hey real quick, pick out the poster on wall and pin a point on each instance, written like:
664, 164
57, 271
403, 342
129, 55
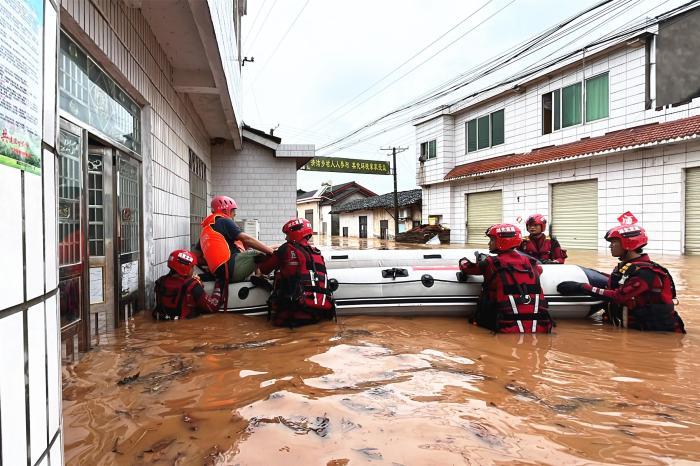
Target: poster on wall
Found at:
21, 68
130, 277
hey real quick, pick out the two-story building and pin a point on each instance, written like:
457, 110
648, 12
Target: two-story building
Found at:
614, 127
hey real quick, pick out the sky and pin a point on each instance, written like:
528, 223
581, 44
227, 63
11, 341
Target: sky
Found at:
324, 68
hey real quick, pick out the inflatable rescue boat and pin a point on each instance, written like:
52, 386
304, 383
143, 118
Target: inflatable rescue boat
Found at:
414, 282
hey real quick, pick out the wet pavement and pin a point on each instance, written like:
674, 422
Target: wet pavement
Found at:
231, 389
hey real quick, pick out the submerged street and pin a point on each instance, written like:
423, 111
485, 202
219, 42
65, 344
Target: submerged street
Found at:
231, 389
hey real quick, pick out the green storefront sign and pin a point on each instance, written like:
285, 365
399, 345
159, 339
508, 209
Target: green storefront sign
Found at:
336, 164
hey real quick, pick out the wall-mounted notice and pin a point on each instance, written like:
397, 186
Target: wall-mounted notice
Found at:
96, 285
130, 277
21, 67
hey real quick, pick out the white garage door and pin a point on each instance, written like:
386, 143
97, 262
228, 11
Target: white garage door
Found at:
575, 214
483, 210
692, 211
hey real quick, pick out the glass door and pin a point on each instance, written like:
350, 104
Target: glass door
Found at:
71, 234
128, 223
100, 239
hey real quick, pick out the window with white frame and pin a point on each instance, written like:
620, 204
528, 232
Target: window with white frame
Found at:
564, 107
485, 131
428, 150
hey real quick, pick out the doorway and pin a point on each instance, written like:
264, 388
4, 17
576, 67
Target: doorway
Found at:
335, 224
363, 226
384, 229
99, 221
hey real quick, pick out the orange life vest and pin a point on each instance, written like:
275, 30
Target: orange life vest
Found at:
214, 245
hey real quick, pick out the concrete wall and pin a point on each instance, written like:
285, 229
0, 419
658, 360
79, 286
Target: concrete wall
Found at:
263, 186
352, 222
312, 205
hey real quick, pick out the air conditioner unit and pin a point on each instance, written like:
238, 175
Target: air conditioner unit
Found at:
250, 226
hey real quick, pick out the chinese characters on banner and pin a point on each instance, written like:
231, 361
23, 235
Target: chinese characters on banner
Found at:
21, 68
336, 164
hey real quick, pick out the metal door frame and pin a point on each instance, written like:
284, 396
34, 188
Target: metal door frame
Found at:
81, 327
108, 278
139, 297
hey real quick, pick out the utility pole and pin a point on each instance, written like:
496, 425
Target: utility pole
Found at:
394, 151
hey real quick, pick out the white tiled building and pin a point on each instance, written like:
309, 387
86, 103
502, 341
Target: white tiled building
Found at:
129, 124
615, 128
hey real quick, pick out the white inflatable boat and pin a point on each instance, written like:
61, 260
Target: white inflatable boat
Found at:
415, 282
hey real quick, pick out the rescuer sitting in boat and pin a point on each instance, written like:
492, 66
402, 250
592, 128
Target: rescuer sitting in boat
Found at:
179, 294
512, 300
300, 294
538, 245
641, 293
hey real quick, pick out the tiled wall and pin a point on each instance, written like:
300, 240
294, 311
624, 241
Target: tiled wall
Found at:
647, 182
120, 39
263, 186
30, 378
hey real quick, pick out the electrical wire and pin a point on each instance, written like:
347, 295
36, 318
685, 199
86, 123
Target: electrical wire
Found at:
613, 35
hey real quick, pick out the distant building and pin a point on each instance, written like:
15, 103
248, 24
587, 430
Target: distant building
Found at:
315, 206
373, 217
612, 128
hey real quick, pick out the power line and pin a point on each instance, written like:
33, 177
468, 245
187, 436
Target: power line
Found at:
518, 55
402, 64
255, 22
284, 36
424, 61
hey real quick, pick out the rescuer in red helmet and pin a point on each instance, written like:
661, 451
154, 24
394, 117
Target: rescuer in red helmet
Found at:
512, 300
179, 294
538, 245
641, 293
301, 293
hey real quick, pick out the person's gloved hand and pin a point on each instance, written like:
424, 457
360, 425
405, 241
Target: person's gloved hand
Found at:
464, 262
480, 256
570, 287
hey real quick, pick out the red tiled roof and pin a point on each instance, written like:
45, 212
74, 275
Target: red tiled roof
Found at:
617, 140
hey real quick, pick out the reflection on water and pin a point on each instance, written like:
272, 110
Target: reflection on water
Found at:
227, 389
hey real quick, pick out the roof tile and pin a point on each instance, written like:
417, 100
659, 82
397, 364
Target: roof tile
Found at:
625, 138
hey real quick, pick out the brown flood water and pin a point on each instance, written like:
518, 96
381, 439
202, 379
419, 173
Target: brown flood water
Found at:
228, 389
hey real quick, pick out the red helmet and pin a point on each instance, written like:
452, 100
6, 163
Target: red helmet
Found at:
223, 204
537, 219
297, 229
631, 236
507, 236
182, 261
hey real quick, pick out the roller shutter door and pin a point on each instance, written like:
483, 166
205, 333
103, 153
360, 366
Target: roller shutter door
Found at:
575, 214
692, 211
483, 210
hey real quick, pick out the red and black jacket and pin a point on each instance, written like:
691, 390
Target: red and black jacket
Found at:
179, 297
543, 248
300, 291
512, 300
646, 291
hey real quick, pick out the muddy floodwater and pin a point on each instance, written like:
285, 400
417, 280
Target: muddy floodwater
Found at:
230, 389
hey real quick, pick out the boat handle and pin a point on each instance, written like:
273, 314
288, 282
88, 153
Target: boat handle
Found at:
394, 272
